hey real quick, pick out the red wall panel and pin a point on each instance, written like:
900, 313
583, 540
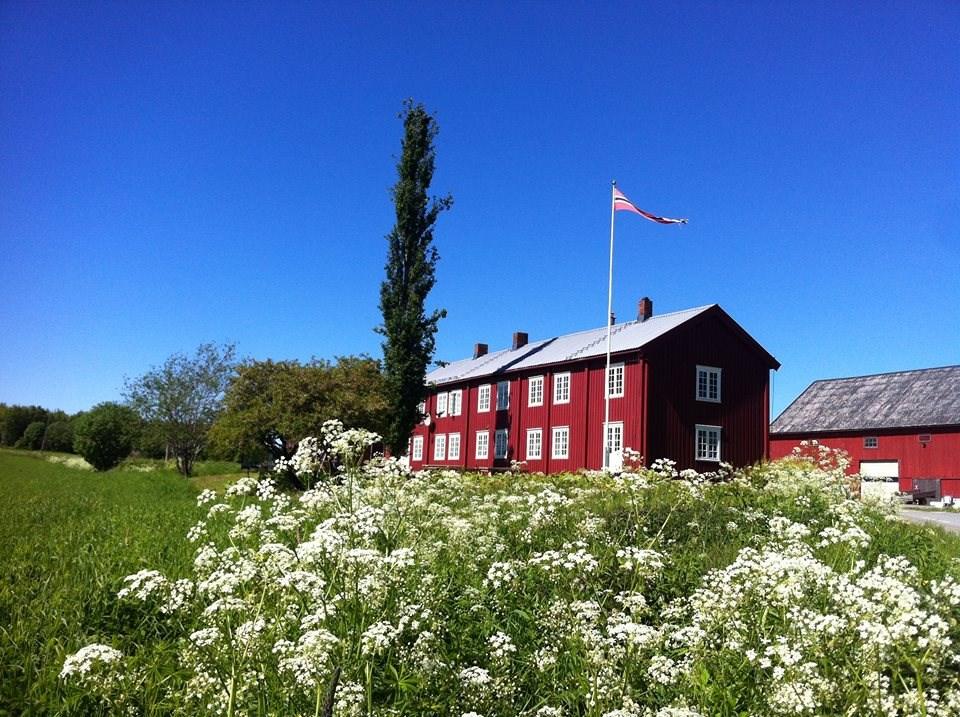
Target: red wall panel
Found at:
939, 458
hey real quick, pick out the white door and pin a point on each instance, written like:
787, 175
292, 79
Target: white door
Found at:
879, 469
615, 447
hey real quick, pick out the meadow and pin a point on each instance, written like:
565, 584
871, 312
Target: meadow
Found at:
67, 537
761, 592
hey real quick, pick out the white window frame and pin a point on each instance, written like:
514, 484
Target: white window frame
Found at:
501, 445
534, 444
561, 388
709, 371
482, 451
483, 398
706, 432
453, 446
503, 395
417, 450
555, 445
611, 427
422, 410
871, 442
440, 447
617, 375
455, 402
441, 405
535, 391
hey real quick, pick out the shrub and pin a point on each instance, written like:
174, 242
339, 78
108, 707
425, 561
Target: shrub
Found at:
104, 436
59, 437
32, 436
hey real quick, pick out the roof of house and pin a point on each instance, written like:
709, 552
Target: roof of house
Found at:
569, 347
905, 399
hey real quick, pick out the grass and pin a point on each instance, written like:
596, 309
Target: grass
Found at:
69, 536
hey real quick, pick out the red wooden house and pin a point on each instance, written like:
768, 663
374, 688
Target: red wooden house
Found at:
903, 425
691, 385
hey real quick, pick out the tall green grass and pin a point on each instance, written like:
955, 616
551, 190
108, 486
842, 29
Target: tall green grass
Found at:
67, 538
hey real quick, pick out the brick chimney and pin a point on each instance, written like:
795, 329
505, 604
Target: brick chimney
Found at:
520, 338
480, 350
644, 309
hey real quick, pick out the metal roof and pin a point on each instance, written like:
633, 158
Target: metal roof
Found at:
905, 399
569, 347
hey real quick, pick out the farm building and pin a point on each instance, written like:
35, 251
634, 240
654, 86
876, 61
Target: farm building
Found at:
690, 385
903, 425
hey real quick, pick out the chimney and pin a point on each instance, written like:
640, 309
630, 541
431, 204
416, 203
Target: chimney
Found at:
644, 309
480, 350
519, 339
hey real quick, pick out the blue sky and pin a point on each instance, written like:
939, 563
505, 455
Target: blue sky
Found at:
175, 172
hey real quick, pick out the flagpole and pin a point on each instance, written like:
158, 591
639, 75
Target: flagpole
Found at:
606, 373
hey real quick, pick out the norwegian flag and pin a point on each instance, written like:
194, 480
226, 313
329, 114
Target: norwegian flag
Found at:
622, 204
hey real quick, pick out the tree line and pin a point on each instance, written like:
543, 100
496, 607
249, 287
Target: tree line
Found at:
206, 405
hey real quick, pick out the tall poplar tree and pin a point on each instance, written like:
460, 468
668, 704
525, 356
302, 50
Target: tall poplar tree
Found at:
410, 274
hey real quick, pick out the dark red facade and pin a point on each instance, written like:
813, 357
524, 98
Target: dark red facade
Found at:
919, 452
659, 409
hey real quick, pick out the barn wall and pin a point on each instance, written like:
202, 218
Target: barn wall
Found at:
940, 458
675, 411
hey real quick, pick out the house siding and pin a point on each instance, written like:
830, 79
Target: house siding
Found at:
659, 410
940, 458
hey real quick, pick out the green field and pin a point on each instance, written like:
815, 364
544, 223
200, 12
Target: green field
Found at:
562, 596
67, 538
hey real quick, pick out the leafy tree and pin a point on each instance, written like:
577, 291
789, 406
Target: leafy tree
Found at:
410, 275
59, 437
183, 397
104, 435
15, 419
271, 405
32, 437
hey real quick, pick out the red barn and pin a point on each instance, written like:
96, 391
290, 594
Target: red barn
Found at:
903, 425
691, 385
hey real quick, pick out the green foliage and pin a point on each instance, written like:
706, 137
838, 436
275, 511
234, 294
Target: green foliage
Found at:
271, 405
408, 329
765, 593
32, 437
183, 397
15, 419
68, 538
105, 434
59, 437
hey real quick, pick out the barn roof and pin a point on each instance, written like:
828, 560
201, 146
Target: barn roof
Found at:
905, 399
569, 347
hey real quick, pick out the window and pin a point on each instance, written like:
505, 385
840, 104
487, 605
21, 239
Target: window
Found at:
453, 446
456, 398
503, 395
708, 443
870, 442
561, 442
615, 437
534, 444
500, 447
483, 399
422, 410
418, 448
441, 404
708, 384
483, 444
615, 381
535, 391
561, 388
925, 438
440, 447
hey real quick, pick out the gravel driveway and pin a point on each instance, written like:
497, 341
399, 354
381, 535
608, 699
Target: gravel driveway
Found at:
947, 521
